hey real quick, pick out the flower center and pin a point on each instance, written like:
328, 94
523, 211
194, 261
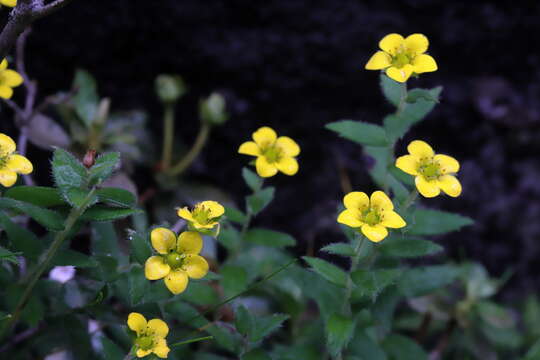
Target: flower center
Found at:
175, 260
272, 154
430, 170
144, 342
3, 159
201, 214
371, 217
401, 59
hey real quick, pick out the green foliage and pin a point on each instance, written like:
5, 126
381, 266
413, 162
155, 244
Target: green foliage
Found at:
360, 132
408, 247
68, 172
423, 280
339, 249
436, 222
399, 347
86, 98
372, 282
269, 238
256, 328
36, 195
328, 271
339, 331
260, 199
252, 180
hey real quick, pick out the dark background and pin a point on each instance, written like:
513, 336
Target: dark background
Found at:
297, 65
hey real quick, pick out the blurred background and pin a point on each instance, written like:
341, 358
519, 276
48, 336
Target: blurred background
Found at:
297, 65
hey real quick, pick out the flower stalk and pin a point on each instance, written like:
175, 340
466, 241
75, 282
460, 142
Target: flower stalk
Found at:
200, 141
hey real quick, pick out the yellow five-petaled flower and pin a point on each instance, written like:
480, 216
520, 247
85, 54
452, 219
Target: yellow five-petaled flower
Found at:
178, 259
8, 80
273, 153
10, 3
204, 216
434, 172
150, 335
370, 215
402, 57
11, 164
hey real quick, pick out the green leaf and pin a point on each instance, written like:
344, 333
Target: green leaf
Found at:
381, 174
234, 280
103, 213
367, 349
260, 199
263, 326
37, 195
45, 217
360, 132
68, 172
507, 338
391, 89
105, 240
21, 239
229, 237
77, 197
415, 94
74, 258
6, 255
402, 348
343, 249
235, 215
256, 354
117, 196
252, 180
269, 238
200, 293
372, 282
339, 330
111, 351
436, 222
384, 308
243, 321
424, 280
328, 271
534, 352
495, 314
408, 247
140, 246
86, 99
138, 285
103, 168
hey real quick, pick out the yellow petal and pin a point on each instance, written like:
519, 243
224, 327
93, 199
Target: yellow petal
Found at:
408, 164
423, 63
264, 168
287, 165
288, 146
448, 165
450, 185
7, 145
420, 149
381, 201
374, 233
155, 268
392, 219
190, 242
249, 148
8, 177
10, 3
11, 78
195, 266
4, 63
210, 225
356, 200
136, 322
163, 240
400, 74
350, 217
176, 281
264, 136
184, 213
6, 92
216, 209
19, 164
158, 328
161, 349
416, 44
428, 189
142, 353
391, 43
379, 60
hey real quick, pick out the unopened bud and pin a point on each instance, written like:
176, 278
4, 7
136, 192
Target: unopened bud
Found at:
212, 109
89, 158
170, 88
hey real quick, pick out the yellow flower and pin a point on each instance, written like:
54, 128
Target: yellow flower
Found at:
10, 3
150, 335
370, 215
178, 259
402, 57
8, 78
11, 164
205, 215
434, 172
273, 153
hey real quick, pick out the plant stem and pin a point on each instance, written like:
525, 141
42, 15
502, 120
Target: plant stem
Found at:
354, 264
72, 218
402, 99
410, 200
192, 341
168, 136
200, 141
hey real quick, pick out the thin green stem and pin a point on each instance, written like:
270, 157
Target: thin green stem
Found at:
72, 218
402, 99
168, 135
410, 200
200, 141
185, 342
354, 264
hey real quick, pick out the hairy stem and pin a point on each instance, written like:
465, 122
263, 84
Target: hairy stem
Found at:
202, 137
168, 136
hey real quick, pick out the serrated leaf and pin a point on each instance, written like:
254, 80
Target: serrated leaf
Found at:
360, 132
269, 238
138, 285
73, 258
328, 271
48, 218
140, 246
408, 247
260, 199
235, 215
103, 213
86, 99
117, 196
436, 222
252, 180
402, 348
103, 168
372, 282
343, 249
339, 330
21, 239
391, 89
6, 255
68, 172
424, 280
263, 326
36, 195
77, 197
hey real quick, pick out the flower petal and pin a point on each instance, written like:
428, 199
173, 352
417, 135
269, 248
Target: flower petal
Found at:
8, 177
10, 3
450, 185
7, 145
3, 64
264, 168
184, 213
420, 149
408, 164
391, 43
374, 233
11, 78
417, 43
400, 74
216, 209
142, 353
19, 164
6, 92
448, 165
287, 165
158, 327
356, 200
249, 148
163, 240
176, 281
195, 266
379, 60
428, 189
350, 217
392, 219
190, 242
264, 136
424, 63
155, 268
161, 349
288, 146
136, 322
381, 201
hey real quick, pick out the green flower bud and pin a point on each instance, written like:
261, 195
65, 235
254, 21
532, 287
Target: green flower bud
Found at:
212, 109
170, 88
